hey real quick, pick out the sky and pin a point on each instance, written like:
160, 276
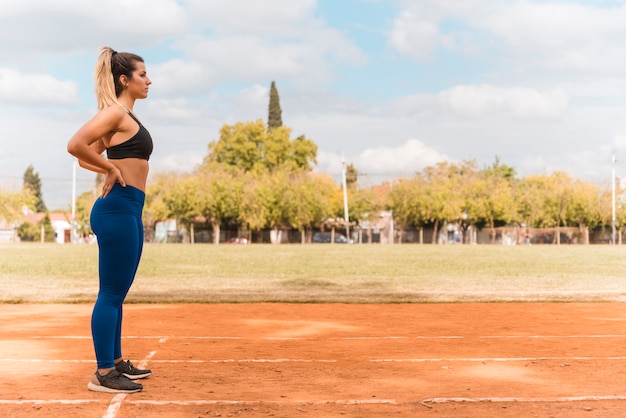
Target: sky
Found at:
390, 86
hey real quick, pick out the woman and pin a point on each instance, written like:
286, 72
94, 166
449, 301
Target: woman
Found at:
116, 216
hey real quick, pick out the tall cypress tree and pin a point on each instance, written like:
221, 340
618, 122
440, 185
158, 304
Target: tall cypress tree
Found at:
274, 119
32, 180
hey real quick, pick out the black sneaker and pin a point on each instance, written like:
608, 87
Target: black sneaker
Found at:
130, 371
113, 382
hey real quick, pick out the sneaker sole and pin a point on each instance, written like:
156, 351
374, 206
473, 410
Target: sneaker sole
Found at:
104, 389
137, 376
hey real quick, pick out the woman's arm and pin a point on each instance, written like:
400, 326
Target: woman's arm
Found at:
99, 147
84, 146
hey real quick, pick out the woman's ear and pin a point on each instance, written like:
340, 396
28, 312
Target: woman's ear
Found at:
124, 80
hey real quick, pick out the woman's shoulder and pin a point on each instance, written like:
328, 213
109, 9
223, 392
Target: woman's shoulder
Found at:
110, 115
112, 111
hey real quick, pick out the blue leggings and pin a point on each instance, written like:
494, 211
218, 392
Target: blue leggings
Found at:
116, 221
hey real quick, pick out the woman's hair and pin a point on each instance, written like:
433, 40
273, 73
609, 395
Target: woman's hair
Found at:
111, 65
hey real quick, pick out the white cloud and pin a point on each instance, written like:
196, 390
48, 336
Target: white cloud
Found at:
410, 157
414, 36
307, 59
44, 27
552, 25
246, 56
255, 98
270, 17
172, 111
404, 160
257, 42
548, 35
177, 77
35, 89
519, 102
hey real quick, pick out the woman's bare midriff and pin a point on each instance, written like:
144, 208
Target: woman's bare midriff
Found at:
134, 171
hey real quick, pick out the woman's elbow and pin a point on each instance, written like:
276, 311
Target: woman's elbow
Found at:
73, 148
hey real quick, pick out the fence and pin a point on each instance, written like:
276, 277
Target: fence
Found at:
446, 236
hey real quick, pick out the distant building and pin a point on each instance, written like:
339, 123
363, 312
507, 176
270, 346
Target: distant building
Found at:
60, 222
7, 233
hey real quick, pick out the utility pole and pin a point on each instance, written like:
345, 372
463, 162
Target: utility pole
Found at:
345, 197
613, 200
73, 202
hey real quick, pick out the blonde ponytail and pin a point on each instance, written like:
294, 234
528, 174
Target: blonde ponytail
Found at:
105, 84
111, 65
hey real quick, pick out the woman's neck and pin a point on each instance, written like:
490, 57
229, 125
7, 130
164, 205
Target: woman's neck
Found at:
126, 103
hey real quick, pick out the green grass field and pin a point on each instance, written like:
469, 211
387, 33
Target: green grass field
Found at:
175, 273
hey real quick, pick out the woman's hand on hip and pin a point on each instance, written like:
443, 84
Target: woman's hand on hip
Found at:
113, 176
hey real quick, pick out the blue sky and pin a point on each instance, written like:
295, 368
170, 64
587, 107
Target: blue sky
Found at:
393, 86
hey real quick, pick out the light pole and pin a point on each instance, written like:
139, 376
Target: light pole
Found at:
345, 197
73, 201
613, 200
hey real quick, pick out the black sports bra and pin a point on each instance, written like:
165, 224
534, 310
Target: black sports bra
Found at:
139, 146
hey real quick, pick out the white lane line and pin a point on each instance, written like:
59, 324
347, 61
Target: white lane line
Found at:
554, 336
47, 401
426, 402
254, 360
370, 338
275, 402
114, 405
39, 360
137, 337
441, 337
496, 359
143, 363
117, 400
120, 397
513, 399
383, 360
162, 338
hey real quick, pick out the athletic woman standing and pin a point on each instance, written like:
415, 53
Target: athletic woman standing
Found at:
121, 79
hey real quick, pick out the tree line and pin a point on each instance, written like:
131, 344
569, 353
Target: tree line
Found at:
256, 177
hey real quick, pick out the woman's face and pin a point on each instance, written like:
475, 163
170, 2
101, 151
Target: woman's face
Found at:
137, 86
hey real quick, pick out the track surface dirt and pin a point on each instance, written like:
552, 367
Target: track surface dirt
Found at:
324, 360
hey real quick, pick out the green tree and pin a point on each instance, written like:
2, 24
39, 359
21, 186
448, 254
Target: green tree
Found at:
274, 119
552, 195
443, 200
529, 195
221, 193
490, 197
28, 232
352, 176
12, 205
46, 225
32, 180
251, 147
272, 192
183, 201
407, 202
84, 204
155, 209
309, 200
585, 208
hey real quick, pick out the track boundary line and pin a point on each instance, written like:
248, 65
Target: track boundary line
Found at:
383, 360
514, 399
356, 338
495, 359
118, 399
116, 402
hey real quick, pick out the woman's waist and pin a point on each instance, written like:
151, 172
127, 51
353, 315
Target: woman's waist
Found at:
127, 193
134, 172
